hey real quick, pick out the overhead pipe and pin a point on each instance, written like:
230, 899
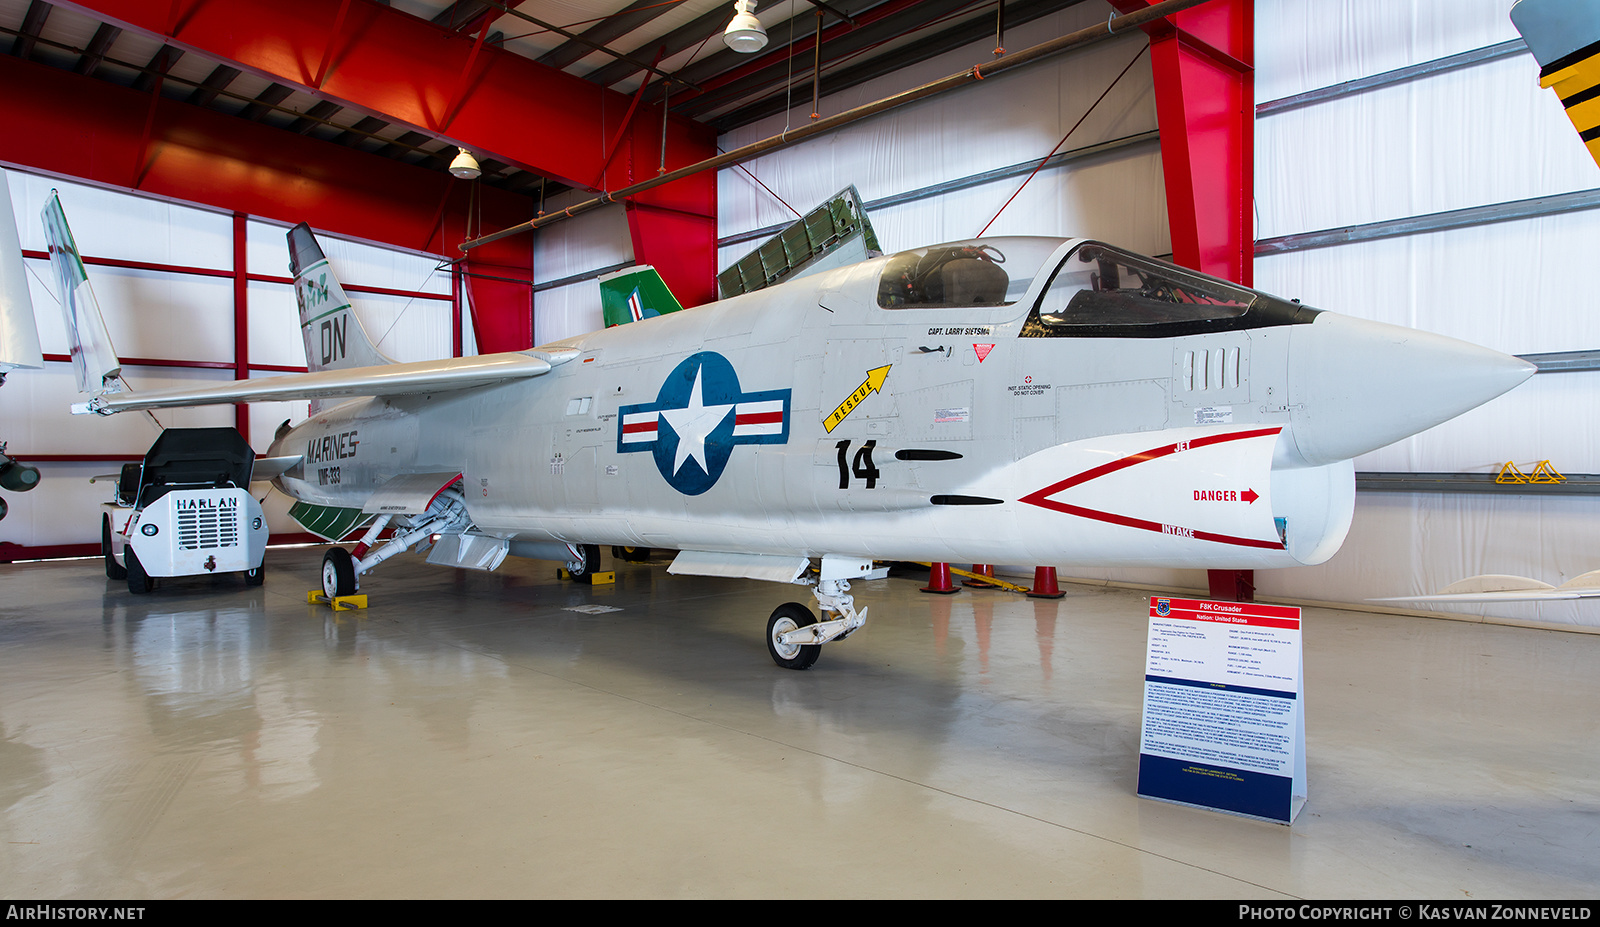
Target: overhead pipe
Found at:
1114, 25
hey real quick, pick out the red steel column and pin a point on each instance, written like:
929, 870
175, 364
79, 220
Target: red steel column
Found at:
1203, 62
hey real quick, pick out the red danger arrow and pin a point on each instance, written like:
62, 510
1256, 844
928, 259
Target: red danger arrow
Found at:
1249, 495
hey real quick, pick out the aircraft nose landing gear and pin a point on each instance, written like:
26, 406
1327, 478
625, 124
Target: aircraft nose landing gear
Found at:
791, 616
795, 637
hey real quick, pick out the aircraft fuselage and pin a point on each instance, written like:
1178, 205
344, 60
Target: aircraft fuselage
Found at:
809, 418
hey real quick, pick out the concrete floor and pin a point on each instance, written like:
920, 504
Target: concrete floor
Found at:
472, 735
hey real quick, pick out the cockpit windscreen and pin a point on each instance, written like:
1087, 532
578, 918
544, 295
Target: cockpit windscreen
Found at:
1101, 287
988, 272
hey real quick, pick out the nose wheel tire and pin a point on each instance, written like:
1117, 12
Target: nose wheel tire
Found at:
139, 582
583, 571
791, 616
114, 569
338, 573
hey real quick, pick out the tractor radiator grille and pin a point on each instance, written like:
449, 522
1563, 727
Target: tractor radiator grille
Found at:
204, 529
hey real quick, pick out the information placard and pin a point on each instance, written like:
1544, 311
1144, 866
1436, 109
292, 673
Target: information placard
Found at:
1224, 708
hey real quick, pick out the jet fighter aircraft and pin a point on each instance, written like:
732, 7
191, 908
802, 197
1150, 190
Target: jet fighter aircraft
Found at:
1000, 400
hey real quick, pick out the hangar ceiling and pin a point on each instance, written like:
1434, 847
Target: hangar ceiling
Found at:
673, 48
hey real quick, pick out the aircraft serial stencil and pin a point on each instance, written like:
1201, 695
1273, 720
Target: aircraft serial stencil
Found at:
1009, 400
697, 420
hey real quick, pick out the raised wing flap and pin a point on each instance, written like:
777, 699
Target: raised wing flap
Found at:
773, 568
389, 380
409, 493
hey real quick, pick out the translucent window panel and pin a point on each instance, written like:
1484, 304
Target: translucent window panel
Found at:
1472, 137
371, 265
154, 314
266, 248
353, 262
405, 328
589, 241
265, 417
274, 325
469, 334
987, 125
35, 411
1510, 286
566, 311
110, 224
64, 508
166, 315
1543, 419
1303, 46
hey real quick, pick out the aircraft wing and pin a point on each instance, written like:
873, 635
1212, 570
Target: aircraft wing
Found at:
433, 376
1500, 587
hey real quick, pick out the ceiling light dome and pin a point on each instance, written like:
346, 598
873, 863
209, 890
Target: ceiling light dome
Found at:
465, 166
744, 33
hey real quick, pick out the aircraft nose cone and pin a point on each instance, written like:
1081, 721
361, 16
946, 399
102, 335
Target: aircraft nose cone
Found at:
1356, 386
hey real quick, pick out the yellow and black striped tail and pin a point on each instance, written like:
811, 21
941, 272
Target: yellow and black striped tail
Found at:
1576, 81
1564, 37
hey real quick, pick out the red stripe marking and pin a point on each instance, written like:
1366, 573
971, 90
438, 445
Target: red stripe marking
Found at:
759, 418
1041, 497
638, 428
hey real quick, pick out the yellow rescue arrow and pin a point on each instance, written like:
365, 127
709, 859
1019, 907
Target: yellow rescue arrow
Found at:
872, 384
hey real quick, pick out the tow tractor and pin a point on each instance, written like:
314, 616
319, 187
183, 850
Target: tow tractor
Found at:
185, 510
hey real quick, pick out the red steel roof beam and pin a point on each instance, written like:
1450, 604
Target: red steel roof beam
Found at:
406, 70
200, 156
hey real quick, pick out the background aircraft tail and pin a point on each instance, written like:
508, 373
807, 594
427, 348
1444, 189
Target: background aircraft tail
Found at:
94, 360
333, 335
19, 335
635, 293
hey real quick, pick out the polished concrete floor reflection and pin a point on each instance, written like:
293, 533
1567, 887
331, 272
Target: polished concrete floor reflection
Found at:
512, 735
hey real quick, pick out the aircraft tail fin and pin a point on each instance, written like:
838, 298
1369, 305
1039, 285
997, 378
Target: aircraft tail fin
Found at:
635, 293
94, 359
19, 335
333, 335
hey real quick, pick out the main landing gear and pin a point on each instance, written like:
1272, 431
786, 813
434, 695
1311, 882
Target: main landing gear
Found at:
342, 569
795, 637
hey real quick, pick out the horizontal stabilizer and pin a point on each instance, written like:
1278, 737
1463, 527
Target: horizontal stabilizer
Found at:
411, 379
1500, 587
94, 360
268, 468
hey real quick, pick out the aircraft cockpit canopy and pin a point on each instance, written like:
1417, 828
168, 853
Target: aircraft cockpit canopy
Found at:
986, 272
1107, 292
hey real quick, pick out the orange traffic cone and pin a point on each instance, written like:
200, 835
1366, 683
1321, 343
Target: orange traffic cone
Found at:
1044, 584
982, 569
939, 580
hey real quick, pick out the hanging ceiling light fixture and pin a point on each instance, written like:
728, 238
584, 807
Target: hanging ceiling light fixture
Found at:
744, 33
465, 166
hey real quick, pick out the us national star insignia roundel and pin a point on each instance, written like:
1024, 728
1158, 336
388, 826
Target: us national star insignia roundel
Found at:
698, 418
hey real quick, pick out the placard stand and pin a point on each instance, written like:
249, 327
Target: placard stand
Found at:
1224, 708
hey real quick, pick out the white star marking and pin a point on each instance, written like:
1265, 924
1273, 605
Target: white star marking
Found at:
692, 425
